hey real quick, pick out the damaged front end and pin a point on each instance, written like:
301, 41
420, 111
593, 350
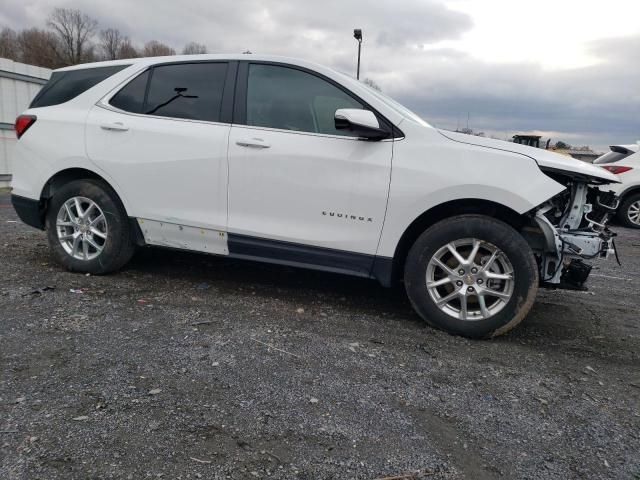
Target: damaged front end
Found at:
570, 228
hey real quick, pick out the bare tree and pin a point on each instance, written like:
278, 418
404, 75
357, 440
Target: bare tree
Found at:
74, 31
9, 46
127, 50
36, 48
193, 48
114, 45
155, 48
111, 43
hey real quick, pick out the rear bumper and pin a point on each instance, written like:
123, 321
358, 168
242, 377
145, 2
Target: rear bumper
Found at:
30, 211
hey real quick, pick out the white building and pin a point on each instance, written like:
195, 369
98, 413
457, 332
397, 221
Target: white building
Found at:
19, 83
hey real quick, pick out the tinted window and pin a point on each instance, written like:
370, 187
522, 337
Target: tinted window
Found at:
64, 86
290, 99
131, 97
192, 91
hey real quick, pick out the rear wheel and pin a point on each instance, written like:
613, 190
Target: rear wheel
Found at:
88, 229
629, 211
471, 275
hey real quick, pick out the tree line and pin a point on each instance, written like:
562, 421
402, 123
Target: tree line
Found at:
72, 37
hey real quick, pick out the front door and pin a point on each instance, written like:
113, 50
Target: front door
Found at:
295, 178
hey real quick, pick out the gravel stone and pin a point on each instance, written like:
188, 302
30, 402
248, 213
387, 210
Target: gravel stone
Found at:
238, 373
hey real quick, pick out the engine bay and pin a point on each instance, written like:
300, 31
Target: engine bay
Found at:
573, 225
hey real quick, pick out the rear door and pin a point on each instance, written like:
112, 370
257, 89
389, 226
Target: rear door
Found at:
163, 139
295, 178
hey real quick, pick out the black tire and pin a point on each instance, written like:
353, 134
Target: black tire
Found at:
118, 247
623, 211
487, 229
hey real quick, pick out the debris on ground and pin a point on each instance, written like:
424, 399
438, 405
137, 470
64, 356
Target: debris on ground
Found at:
200, 461
39, 291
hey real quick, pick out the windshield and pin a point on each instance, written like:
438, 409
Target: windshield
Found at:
390, 102
398, 107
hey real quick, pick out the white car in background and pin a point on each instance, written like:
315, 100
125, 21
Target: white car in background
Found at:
624, 161
285, 161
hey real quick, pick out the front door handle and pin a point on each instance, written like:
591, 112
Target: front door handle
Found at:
114, 127
252, 143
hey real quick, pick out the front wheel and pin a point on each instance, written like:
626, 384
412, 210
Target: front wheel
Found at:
471, 275
88, 228
629, 211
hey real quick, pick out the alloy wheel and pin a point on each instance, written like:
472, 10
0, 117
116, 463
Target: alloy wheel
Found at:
470, 279
633, 213
82, 228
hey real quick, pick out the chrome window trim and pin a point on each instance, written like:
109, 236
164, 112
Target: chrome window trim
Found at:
108, 106
311, 134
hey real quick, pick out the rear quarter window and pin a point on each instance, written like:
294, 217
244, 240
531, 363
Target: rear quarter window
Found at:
67, 85
131, 97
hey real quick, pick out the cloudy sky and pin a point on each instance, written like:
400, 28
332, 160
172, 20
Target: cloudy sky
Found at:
569, 69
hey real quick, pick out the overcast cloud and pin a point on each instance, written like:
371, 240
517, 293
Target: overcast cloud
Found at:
426, 54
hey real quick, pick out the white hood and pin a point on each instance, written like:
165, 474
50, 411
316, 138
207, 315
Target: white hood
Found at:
544, 158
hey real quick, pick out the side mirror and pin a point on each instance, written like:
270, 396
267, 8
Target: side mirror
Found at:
361, 122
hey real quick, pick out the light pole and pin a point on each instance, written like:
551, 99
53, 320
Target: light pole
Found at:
357, 34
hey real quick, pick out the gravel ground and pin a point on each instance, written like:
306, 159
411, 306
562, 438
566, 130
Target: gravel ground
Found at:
190, 366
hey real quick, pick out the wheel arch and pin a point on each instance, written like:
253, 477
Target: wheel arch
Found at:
67, 175
390, 271
629, 191
626, 200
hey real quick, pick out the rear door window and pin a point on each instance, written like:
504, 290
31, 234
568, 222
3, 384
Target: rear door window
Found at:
192, 91
67, 85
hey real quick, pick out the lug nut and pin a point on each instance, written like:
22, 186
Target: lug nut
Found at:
470, 289
461, 271
474, 270
459, 283
479, 281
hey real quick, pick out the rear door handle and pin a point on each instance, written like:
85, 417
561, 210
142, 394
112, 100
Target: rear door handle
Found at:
252, 143
114, 127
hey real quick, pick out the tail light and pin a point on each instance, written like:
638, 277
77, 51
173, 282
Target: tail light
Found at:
23, 122
617, 169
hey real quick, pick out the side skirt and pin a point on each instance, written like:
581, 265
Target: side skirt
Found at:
296, 255
169, 235
183, 237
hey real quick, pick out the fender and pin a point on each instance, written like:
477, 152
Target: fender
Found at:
501, 177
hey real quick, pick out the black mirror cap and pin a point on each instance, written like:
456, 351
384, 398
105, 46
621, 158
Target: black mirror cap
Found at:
366, 133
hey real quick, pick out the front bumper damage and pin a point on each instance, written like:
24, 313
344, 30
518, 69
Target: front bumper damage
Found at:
572, 229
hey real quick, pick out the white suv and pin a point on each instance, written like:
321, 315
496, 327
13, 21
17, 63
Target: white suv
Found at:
284, 161
624, 161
